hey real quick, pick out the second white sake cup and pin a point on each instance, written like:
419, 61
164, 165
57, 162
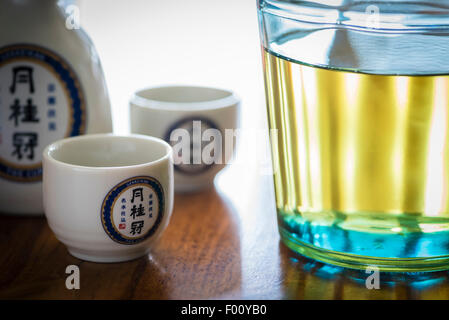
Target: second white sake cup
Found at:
194, 120
107, 197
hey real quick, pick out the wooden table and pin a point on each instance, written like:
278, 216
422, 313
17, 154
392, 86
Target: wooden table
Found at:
221, 243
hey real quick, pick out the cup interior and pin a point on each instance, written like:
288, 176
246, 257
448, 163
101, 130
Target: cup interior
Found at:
184, 98
108, 151
183, 94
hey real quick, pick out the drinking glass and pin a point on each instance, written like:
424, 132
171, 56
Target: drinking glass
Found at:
357, 92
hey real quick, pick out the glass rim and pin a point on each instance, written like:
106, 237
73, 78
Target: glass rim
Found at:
400, 16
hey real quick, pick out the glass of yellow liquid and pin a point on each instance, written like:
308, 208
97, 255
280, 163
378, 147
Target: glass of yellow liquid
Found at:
358, 94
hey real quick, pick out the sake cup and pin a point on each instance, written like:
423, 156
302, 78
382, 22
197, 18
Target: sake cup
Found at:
107, 197
198, 122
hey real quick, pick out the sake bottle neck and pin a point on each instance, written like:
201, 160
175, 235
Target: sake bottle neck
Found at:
35, 5
30, 11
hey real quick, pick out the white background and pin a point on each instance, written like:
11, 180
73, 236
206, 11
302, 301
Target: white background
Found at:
152, 42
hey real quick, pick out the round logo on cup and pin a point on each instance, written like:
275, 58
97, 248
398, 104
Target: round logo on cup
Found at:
194, 127
41, 101
132, 211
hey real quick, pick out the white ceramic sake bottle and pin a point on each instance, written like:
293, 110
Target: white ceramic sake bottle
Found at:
51, 87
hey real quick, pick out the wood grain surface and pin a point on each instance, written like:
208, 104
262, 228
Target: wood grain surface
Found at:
221, 243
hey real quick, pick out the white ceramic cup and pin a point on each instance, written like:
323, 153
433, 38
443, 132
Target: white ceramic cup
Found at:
107, 197
193, 118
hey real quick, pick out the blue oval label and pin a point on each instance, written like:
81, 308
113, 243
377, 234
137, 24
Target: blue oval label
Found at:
194, 127
133, 210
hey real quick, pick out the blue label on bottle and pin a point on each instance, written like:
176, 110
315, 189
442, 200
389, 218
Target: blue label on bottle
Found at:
41, 101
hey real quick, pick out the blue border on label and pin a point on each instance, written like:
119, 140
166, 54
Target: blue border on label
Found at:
72, 85
106, 211
178, 124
